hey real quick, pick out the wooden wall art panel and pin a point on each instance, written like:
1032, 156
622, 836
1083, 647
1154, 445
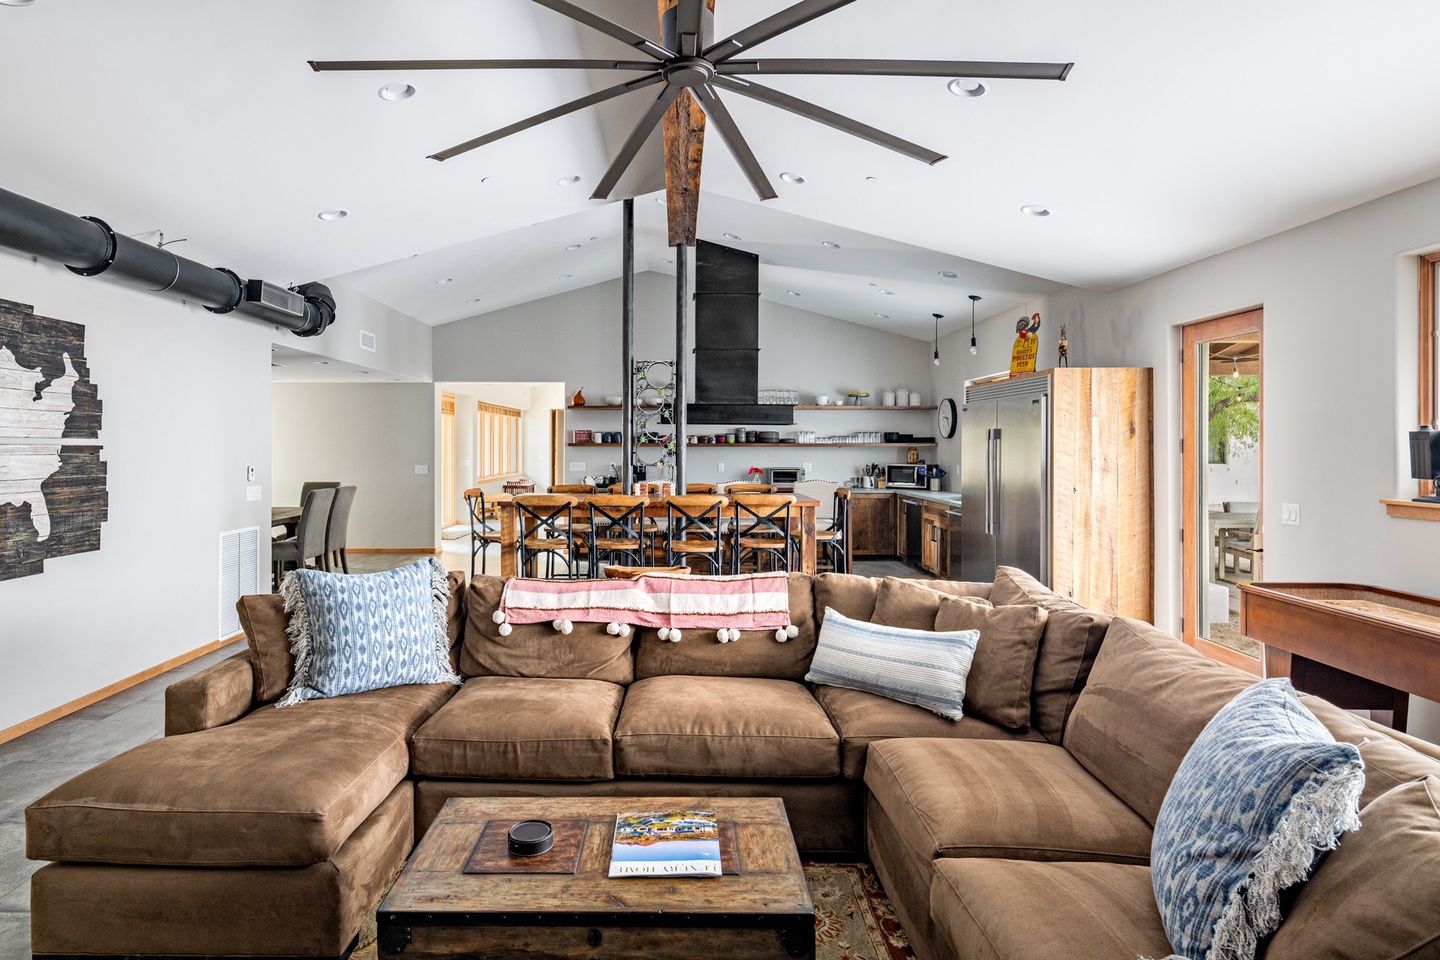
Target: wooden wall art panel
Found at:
52, 480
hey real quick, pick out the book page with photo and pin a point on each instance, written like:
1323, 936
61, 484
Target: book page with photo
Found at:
666, 843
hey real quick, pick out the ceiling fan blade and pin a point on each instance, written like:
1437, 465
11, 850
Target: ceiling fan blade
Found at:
321, 66
636, 140
688, 19
772, 26
716, 111
828, 117
609, 93
624, 34
999, 70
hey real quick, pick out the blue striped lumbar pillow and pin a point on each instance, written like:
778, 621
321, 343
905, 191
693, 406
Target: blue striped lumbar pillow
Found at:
1261, 794
921, 667
352, 633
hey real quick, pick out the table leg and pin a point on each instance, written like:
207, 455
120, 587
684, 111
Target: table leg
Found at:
509, 537
807, 540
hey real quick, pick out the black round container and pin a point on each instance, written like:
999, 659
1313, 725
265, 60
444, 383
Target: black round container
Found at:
530, 838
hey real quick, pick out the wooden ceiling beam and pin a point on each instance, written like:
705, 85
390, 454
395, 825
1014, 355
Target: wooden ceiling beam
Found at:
684, 130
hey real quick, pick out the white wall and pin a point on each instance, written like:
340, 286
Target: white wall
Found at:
186, 399
402, 343
372, 435
576, 337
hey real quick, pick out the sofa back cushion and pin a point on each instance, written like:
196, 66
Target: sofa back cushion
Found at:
913, 604
1003, 671
756, 654
856, 596
1067, 649
537, 649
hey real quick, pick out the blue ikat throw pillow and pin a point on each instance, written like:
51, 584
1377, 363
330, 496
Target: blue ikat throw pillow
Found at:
1263, 792
925, 668
355, 632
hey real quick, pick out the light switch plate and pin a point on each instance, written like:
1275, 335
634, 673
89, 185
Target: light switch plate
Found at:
577, 467
1290, 514
719, 468
254, 494
421, 469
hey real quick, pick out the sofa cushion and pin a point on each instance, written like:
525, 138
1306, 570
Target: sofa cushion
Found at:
1067, 650
1378, 896
1261, 794
856, 596
352, 633
1003, 672
756, 654
1001, 909
920, 667
723, 727
263, 618
862, 718
537, 649
277, 787
521, 728
1391, 758
1148, 698
905, 603
1016, 800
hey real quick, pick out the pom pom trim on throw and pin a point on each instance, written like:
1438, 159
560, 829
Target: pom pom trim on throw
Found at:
498, 616
792, 631
504, 630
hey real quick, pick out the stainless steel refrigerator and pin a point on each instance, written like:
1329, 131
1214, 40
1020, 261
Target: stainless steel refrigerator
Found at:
1005, 479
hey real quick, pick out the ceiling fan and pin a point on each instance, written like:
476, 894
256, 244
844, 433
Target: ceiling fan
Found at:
692, 67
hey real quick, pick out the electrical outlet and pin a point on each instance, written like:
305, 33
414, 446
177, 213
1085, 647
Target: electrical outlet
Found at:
250, 474
464, 463
421, 469
577, 467
720, 467
254, 494
1290, 514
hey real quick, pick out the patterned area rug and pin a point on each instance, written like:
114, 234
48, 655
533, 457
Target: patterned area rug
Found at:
853, 917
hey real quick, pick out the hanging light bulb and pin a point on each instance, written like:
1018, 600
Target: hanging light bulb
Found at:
937, 338
1236, 372
974, 299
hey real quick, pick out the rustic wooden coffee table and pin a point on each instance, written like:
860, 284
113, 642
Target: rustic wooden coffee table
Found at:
437, 910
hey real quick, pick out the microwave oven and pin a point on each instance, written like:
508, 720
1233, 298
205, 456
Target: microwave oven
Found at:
783, 475
905, 475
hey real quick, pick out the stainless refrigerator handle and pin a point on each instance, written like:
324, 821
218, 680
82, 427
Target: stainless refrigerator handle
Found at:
989, 476
999, 490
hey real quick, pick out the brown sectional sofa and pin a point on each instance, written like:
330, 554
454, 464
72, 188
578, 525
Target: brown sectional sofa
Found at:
255, 831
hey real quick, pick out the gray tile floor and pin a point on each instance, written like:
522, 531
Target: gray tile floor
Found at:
32, 765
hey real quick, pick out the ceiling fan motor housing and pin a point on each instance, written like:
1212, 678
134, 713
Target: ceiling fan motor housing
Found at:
670, 31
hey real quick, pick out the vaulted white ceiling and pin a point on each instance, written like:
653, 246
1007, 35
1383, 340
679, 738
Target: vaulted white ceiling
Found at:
1183, 130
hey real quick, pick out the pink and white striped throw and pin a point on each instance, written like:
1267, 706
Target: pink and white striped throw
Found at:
759, 601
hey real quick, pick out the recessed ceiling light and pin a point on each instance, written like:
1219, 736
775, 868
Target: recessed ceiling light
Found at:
792, 177
17, 3
593, 239
874, 284
830, 243
872, 179
1034, 210
573, 246
444, 280
333, 214
473, 300
659, 199
412, 256
321, 363
397, 91
966, 88
273, 364
566, 181
948, 274
666, 260
730, 236
883, 316
362, 371
484, 179
792, 293
566, 276
888, 293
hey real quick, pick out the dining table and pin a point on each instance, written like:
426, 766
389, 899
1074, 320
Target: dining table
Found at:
287, 517
508, 514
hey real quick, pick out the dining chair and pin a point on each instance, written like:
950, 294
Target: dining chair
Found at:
761, 526
731, 488
546, 527
309, 539
309, 485
831, 541
693, 529
337, 529
482, 534
822, 490
616, 529
700, 488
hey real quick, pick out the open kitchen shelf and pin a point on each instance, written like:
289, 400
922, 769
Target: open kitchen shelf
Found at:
876, 408
726, 446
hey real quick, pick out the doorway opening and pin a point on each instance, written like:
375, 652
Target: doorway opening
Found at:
1223, 480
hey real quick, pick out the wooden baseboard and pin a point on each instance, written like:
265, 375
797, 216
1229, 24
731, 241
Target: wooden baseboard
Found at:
434, 550
64, 710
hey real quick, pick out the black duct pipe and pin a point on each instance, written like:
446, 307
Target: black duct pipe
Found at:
88, 247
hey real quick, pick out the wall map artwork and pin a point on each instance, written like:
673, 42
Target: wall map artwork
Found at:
52, 481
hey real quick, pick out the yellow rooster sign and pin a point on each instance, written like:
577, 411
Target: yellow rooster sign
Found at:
1027, 345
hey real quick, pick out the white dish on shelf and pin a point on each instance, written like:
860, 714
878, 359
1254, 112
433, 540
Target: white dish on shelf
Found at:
614, 401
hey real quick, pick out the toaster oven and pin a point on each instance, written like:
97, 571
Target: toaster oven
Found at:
783, 476
905, 475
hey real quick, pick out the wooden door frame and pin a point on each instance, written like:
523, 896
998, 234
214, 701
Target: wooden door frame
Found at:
557, 446
1196, 527
448, 451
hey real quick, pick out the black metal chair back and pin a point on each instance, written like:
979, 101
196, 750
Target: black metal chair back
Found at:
762, 527
617, 529
482, 534
546, 522
694, 529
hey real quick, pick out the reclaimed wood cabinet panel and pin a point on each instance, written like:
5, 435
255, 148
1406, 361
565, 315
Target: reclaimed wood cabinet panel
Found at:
872, 525
935, 541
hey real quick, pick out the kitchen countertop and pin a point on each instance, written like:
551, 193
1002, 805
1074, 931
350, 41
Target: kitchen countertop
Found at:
947, 497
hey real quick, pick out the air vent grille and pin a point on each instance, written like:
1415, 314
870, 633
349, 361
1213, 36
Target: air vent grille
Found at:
239, 574
367, 341
276, 298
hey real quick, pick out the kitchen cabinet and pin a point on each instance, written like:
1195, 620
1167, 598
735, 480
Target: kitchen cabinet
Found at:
935, 540
872, 525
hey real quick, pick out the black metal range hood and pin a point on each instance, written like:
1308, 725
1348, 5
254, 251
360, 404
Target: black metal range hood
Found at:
727, 341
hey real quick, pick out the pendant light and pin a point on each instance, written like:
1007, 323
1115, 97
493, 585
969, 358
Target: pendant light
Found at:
937, 338
974, 299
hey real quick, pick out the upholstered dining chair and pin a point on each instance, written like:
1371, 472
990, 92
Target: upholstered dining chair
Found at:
482, 533
337, 529
309, 539
309, 485
831, 541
